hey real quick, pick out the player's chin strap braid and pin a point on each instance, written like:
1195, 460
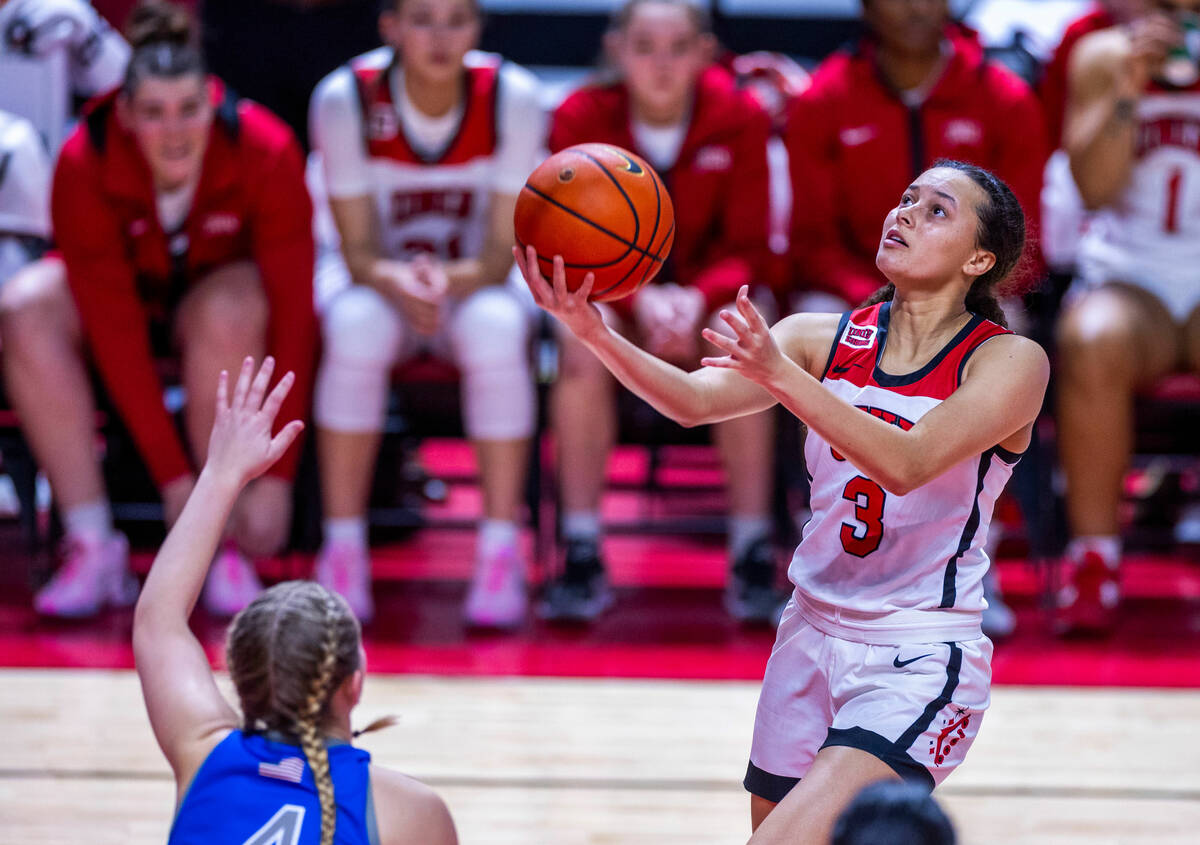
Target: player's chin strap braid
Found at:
308, 727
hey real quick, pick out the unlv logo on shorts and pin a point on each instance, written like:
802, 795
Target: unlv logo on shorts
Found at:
859, 337
954, 728
382, 123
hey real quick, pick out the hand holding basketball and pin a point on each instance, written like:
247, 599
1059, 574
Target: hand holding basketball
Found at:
752, 351
572, 308
241, 447
604, 210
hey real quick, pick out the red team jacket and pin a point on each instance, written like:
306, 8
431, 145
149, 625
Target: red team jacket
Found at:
854, 146
718, 184
251, 204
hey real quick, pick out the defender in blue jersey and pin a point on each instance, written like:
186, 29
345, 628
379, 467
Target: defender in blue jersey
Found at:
286, 773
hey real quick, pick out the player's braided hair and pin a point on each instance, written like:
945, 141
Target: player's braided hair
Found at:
288, 651
163, 38
1001, 231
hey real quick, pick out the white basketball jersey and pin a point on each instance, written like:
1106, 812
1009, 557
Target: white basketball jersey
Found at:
430, 201
876, 567
1151, 234
52, 51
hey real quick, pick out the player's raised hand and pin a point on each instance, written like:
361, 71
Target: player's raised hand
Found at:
572, 308
241, 447
752, 351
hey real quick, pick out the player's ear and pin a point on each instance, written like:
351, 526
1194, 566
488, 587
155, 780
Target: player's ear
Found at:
708, 47
352, 687
124, 110
979, 262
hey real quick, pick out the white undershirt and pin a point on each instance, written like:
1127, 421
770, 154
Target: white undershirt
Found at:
173, 206
661, 144
427, 135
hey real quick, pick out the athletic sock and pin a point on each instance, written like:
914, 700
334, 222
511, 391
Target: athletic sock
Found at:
745, 531
1107, 546
346, 531
90, 523
495, 534
581, 525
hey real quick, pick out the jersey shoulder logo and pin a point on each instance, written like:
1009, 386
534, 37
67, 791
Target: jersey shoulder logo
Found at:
290, 769
859, 337
382, 123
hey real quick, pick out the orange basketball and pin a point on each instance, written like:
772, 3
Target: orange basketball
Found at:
604, 210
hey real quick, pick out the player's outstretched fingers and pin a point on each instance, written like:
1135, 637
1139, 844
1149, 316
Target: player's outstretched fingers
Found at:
258, 389
585, 289
560, 279
722, 341
223, 391
281, 441
243, 383
740, 327
271, 407
750, 313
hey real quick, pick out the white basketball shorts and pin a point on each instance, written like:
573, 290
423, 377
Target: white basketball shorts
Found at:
915, 706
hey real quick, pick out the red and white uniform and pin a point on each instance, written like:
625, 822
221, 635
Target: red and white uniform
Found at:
854, 145
717, 180
24, 194
881, 568
1150, 236
880, 647
428, 200
432, 180
52, 52
125, 270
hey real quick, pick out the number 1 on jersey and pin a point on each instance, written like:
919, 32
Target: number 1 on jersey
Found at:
868, 498
1171, 221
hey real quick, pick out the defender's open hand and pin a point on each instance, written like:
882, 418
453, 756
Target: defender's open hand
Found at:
241, 446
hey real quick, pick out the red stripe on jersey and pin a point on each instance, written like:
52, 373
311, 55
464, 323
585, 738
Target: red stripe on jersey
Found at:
476, 136
859, 345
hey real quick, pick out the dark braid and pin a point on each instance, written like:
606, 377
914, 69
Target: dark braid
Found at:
1001, 231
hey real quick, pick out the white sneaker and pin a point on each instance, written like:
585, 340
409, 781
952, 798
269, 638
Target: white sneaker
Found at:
92, 576
232, 582
497, 598
345, 568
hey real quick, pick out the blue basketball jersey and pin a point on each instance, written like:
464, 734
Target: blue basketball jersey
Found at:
258, 790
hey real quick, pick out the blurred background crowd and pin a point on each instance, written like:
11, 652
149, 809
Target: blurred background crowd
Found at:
332, 182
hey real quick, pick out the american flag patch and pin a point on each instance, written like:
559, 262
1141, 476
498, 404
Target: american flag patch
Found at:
290, 769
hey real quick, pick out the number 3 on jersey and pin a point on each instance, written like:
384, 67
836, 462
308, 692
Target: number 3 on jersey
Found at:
868, 498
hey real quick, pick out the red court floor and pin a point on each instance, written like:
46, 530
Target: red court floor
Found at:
668, 622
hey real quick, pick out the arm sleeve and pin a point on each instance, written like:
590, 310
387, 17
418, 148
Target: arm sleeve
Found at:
744, 222
522, 130
98, 55
24, 182
335, 127
114, 322
283, 250
820, 258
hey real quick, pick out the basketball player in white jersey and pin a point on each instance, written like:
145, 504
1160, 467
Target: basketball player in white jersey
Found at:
53, 52
879, 669
24, 194
1132, 132
425, 145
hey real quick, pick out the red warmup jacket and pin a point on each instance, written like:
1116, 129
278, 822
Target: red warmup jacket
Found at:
1053, 90
251, 204
854, 146
718, 184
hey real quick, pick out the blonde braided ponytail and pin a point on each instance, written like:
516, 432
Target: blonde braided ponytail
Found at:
308, 726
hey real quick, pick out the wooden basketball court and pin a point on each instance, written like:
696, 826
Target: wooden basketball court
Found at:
564, 761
